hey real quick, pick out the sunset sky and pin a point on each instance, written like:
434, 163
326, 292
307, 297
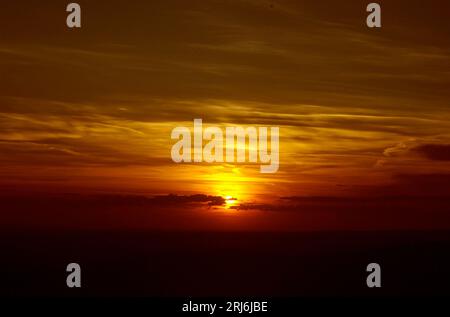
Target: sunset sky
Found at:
361, 111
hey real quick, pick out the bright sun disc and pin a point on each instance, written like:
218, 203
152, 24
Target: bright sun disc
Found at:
230, 201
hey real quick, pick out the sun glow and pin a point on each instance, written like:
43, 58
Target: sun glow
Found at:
230, 184
233, 184
230, 201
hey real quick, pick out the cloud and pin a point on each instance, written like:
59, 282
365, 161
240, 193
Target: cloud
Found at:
416, 149
397, 150
159, 200
181, 200
109, 96
259, 207
435, 152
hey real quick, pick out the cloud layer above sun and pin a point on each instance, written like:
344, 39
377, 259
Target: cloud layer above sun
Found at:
93, 108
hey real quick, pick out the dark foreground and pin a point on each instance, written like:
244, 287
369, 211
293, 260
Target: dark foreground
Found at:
225, 264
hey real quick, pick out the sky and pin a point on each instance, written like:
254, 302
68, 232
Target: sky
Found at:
361, 112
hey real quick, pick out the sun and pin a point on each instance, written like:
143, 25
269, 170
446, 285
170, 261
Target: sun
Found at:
230, 201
